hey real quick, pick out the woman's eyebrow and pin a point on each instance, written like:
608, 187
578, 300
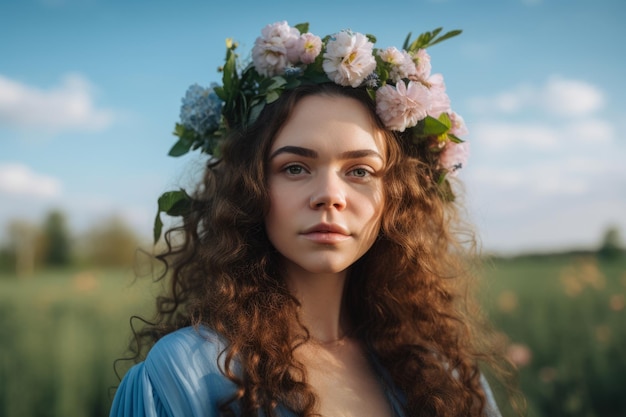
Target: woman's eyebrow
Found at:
296, 150
310, 153
361, 153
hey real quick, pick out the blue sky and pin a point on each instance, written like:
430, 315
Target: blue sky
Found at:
90, 91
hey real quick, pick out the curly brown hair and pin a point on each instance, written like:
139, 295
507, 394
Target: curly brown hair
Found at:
407, 296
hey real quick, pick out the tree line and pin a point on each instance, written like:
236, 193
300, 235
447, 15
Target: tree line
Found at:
110, 242
27, 247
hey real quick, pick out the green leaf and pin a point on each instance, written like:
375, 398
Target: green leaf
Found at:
292, 83
173, 203
268, 84
421, 41
230, 72
448, 35
219, 91
158, 227
428, 39
454, 138
384, 76
272, 96
255, 111
432, 127
180, 148
277, 82
302, 27
371, 38
445, 119
179, 130
405, 45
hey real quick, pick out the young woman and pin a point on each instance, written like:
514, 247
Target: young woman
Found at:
319, 269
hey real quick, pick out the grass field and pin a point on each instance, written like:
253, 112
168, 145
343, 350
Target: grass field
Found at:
60, 332
565, 320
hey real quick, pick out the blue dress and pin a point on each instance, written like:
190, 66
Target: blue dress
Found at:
181, 377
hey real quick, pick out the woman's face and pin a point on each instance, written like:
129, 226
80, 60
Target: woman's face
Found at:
325, 172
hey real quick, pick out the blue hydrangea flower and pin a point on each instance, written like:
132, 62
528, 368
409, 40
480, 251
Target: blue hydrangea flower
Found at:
372, 80
201, 110
293, 71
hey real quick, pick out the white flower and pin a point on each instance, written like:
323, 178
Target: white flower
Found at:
273, 49
402, 65
391, 55
402, 106
422, 62
440, 102
454, 156
309, 47
348, 59
458, 127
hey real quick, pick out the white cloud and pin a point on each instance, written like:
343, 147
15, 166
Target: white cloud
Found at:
551, 204
502, 135
556, 176
558, 97
506, 102
550, 224
68, 106
594, 131
20, 180
571, 97
535, 180
557, 120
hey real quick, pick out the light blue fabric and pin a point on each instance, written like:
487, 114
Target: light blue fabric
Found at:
181, 378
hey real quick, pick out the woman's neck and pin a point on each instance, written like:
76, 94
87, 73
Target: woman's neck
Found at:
321, 299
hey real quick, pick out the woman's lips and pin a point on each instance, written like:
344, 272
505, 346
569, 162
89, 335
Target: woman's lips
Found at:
325, 237
326, 233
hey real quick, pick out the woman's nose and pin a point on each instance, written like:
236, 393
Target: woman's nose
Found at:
329, 191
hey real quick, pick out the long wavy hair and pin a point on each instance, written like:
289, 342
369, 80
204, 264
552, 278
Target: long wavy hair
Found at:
407, 297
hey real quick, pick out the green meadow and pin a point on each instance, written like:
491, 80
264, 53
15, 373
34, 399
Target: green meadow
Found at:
564, 319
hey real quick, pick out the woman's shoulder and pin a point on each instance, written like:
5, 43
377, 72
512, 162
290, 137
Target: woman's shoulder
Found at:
191, 356
180, 376
188, 344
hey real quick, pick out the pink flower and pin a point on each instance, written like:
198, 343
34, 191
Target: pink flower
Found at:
422, 64
454, 156
402, 106
348, 59
273, 49
310, 47
402, 65
458, 127
391, 55
440, 102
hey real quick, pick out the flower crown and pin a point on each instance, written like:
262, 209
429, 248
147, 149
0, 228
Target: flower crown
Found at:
408, 97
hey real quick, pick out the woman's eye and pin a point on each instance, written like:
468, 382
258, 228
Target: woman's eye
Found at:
360, 172
294, 170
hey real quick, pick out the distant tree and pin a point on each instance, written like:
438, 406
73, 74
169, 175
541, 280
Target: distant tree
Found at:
110, 243
611, 247
57, 241
22, 247
7, 259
